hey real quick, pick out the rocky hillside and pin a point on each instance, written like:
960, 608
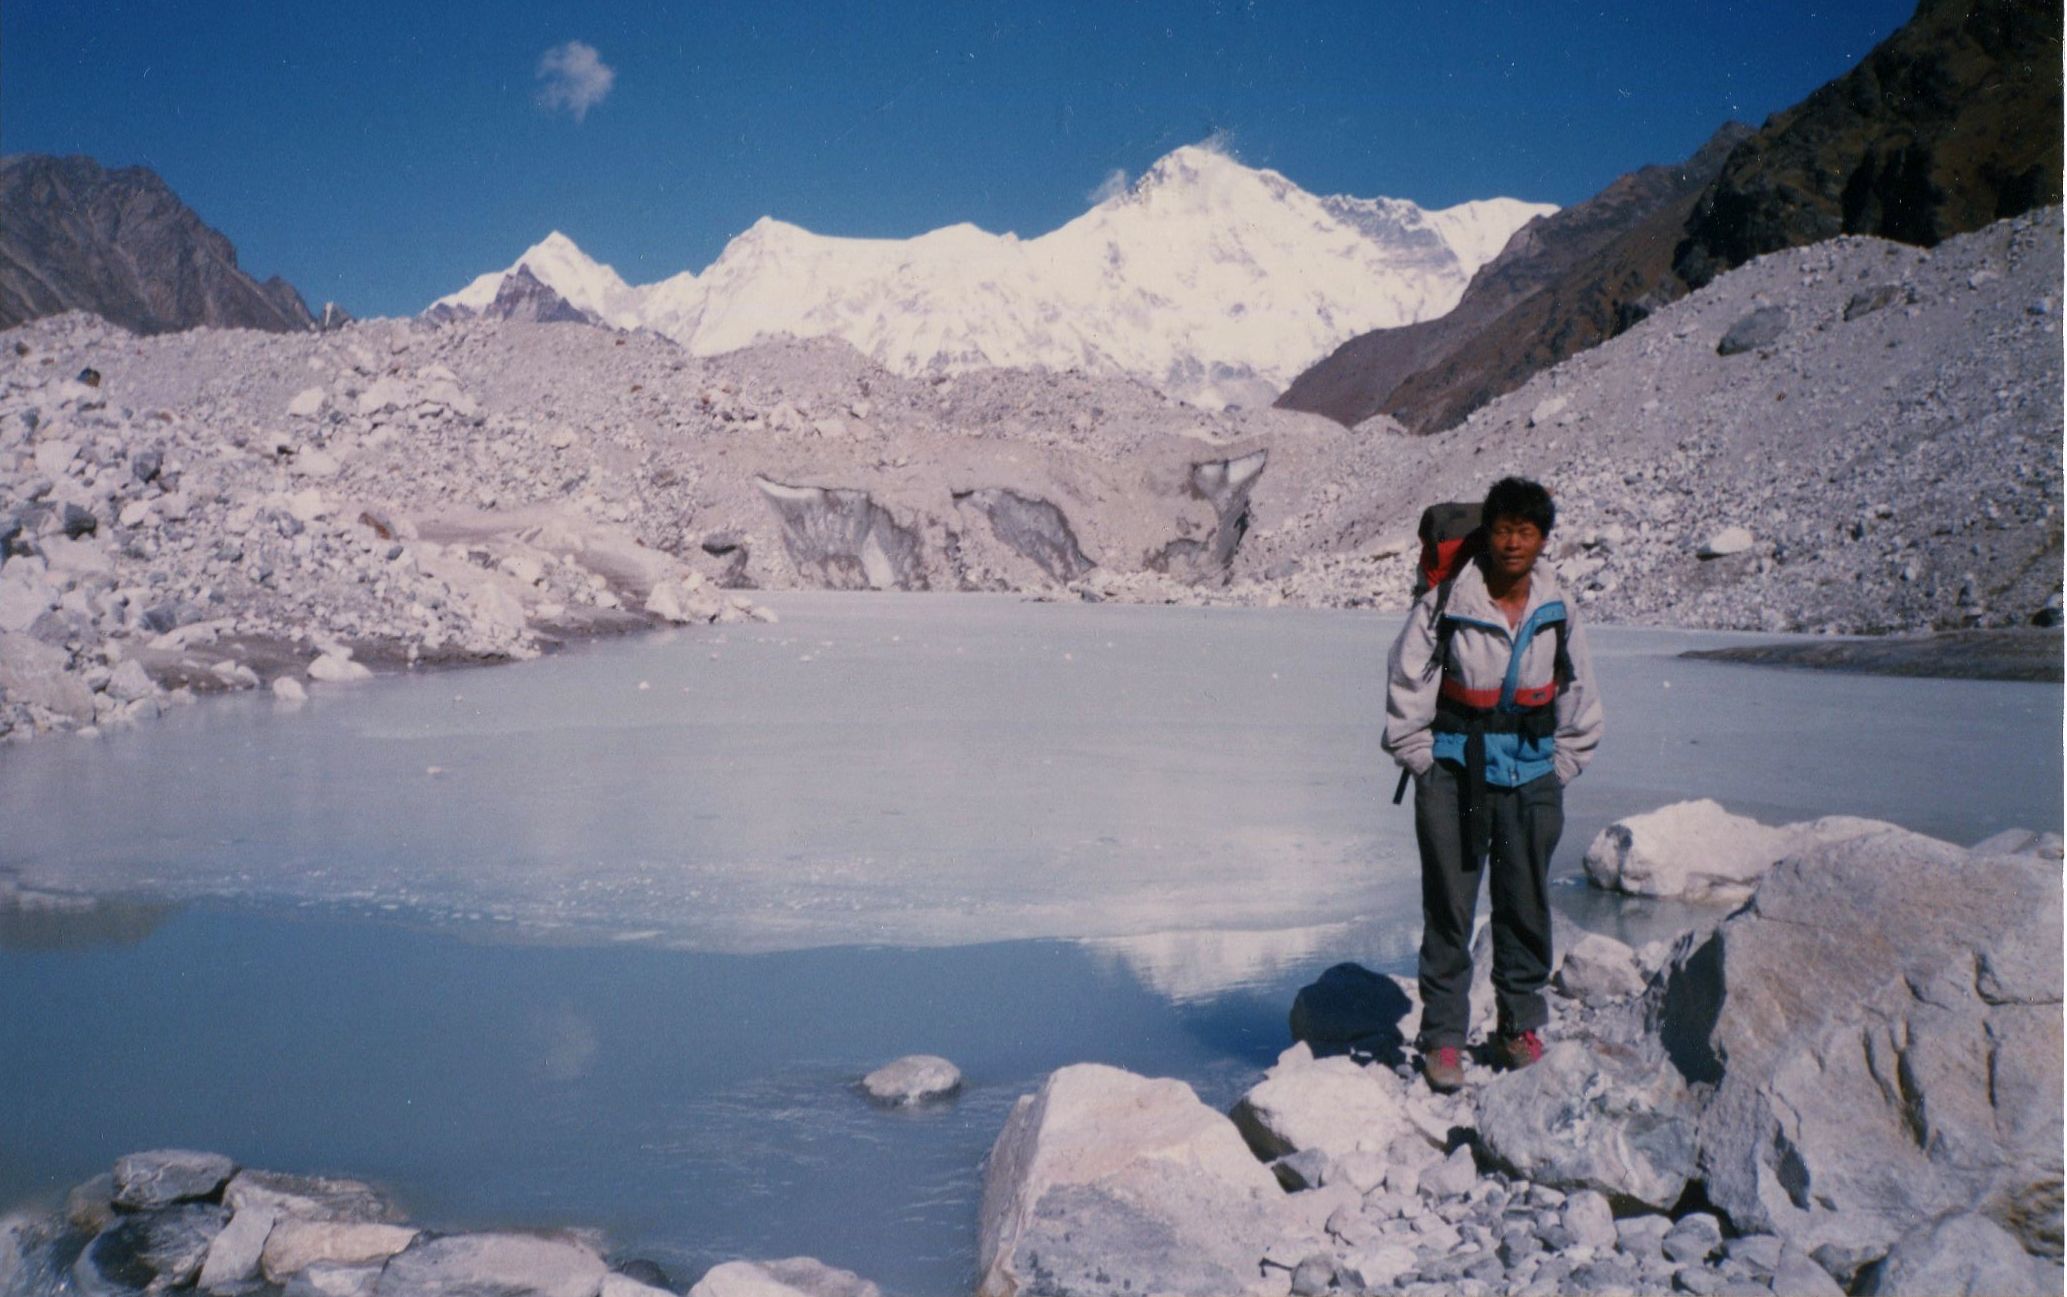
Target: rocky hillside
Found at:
75, 236
1949, 124
226, 507
1451, 360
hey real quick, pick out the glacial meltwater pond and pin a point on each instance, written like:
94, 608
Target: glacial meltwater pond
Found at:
605, 939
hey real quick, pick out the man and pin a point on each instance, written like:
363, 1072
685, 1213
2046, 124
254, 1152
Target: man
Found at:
1491, 703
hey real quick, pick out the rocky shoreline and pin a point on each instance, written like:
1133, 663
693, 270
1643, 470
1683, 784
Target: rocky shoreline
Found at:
1850, 1083
2019, 654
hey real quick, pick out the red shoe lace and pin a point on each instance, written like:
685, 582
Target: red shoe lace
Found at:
1447, 1056
1530, 1045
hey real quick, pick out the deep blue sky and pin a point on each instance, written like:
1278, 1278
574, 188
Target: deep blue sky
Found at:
381, 154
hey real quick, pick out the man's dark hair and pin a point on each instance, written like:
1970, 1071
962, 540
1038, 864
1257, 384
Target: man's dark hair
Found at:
1518, 497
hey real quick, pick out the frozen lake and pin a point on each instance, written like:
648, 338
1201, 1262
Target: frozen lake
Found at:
603, 939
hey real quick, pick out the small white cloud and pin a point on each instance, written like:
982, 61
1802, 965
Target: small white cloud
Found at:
1221, 141
575, 78
1114, 184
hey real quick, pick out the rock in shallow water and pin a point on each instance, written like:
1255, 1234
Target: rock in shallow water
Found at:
799, 1276
168, 1175
156, 1249
493, 1265
913, 1079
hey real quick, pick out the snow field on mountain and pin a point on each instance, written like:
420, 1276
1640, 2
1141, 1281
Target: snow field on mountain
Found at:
1215, 282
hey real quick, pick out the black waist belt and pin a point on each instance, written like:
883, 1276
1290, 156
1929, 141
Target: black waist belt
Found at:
1474, 723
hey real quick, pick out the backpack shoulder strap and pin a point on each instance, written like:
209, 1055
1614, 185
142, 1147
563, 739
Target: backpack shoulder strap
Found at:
1439, 661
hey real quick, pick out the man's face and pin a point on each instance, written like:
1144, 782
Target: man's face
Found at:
1512, 545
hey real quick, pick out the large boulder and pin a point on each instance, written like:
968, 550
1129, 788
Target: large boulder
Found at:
1593, 1116
493, 1265
1882, 1028
34, 672
1960, 1256
168, 1175
1337, 1106
798, 1276
1698, 851
1104, 1180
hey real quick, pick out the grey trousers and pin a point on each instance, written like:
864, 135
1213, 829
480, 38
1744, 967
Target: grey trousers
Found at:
1526, 824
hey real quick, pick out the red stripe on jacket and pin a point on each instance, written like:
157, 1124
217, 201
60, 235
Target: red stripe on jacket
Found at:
1483, 699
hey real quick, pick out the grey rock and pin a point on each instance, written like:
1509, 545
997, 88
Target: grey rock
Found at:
1598, 969
1759, 1251
1585, 1118
1865, 1087
1305, 1169
1451, 1177
130, 682
1797, 1273
1374, 1269
913, 1079
1313, 1276
294, 1243
1643, 1237
1761, 328
1590, 1220
1873, 299
79, 521
1960, 1256
311, 1197
159, 1249
800, 1276
1698, 1280
1517, 1245
165, 1176
90, 1206
1696, 1237
1103, 1179
38, 673
332, 1279
493, 1265
146, 464
1609, 1276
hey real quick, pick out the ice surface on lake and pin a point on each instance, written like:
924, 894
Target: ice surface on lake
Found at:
1198, 789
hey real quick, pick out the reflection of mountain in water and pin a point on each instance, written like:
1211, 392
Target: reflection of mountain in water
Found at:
31, 919
1188, 966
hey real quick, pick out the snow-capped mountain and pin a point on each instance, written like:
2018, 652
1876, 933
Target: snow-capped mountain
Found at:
1213, 281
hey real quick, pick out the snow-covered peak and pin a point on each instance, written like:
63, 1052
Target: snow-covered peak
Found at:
559, 263
1478, 230
1213, 280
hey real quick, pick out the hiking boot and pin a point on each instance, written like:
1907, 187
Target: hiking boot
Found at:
1519, 1050
1444, 1069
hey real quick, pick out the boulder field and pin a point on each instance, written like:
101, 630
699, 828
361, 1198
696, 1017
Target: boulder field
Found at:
1851, 1083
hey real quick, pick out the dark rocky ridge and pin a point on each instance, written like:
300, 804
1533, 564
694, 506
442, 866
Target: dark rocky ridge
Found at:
77, 236
1951, 123
1428, 375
